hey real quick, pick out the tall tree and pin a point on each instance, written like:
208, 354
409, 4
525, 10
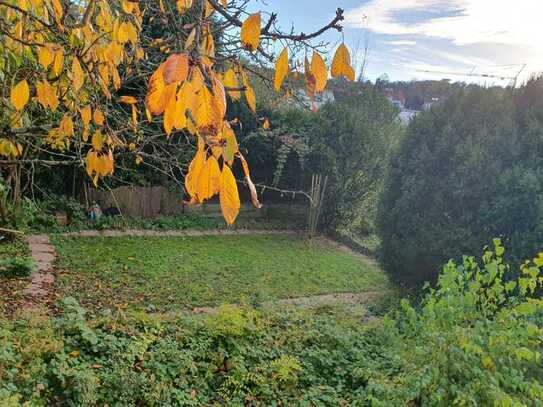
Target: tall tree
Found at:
64, 63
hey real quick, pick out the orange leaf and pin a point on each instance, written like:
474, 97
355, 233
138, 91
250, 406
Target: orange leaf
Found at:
209, 179
45, 55
251, 99
250, 32
170, 110
341, 64
66, 126
154, 99
281, 69
229, 196
195, 168
20, 94
78, 76
183, 5
98, 117
310, 80
58, 63
176, 68
318, 68
129, 100
86, 114
47, 95
97, 140
231, 147
230, 81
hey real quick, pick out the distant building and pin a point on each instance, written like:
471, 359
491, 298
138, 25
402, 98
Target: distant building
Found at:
406, 115
429, 103
319, 100
395, 97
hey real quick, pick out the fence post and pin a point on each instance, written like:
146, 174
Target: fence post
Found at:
318, 188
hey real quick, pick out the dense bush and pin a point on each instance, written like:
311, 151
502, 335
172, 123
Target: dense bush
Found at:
352, 146
348, 140
476, 340
466, 171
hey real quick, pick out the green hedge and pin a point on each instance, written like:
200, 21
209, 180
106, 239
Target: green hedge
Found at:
468, 170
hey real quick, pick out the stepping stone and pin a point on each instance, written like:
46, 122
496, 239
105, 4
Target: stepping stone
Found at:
38, 239
43, 254
42, 248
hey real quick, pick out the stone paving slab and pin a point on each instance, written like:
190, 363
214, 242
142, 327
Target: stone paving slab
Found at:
43, 255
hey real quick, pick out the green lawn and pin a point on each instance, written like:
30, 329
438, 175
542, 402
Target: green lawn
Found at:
183, 272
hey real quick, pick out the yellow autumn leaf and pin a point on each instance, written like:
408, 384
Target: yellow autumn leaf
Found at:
195, 168
58, 62
190, 39
171, 109
229, 80
231, 147
183, 5
281, 69
266, 124
310, 80
250, 32
45, 56
58, 10
251, 98
97, 140
209, 179
180, 118
98, 117
320, 72
176, 68
219, 96
20, 94
86, 114
134, 116
66, 126
129, 100
209, 109
128, 6
78, 76
126, 32
229, 196
154, 99
341, 64
47, 95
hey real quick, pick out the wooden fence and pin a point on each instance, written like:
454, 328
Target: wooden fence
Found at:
152, 202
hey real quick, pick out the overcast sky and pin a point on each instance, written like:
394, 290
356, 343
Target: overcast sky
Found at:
408, 37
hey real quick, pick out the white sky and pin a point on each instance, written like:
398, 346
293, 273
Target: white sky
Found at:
480, 33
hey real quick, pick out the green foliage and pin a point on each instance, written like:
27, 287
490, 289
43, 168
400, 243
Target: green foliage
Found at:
171, 273
348, 140
16, 267
233, 357
355, 138
475, 340
467, 170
